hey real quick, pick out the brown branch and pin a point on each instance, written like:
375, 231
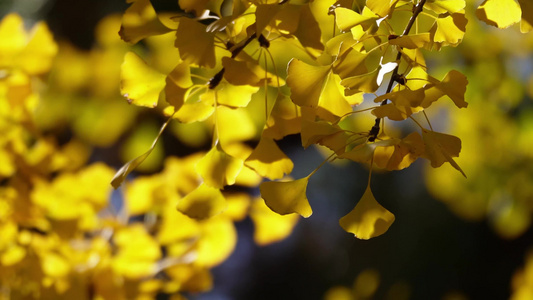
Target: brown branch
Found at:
373, 134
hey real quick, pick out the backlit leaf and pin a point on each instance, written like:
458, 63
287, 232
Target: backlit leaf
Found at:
440, 148
196, 45
140, 84
412, 41
269, 226
449, 29
268, 160
204, 202
140, 21
287, 197
177, 84
219, 169
306, 82
499, 13
217, 242
382, 8
347, 18
368, 219
445, 6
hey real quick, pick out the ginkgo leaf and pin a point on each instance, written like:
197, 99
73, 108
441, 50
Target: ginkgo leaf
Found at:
140, 21
217, 241
264, 13
140, 84
287, 197
449, 29
268, 160
269, 226
204, 202
366, 83
499, 13
406, 152
380, 7
368, 219
123, 172
219, 169
440, 148
248, 72
445, 6
394, 112
333, 103
346, 18
454, 86
230, 95
228, 119
196, 111
313, 132
308, 31
284, 119
364, 153
306, 82
177, 85
195, 44
350, 63
199, 6
412, 41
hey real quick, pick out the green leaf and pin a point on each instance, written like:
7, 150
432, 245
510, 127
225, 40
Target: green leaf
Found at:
287, 197
368, 219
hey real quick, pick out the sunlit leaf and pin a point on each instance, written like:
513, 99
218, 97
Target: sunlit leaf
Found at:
454, 86
313, 132
306, 82
228, 119
364, 153
412, 41
177, 84
367, 83
199, 6
445, 6
140, 21
204, 202
499, 13
196, 45
347, 18
406, 152
449, 29
380, 7
140, 84
219, 169
268, 160
287, 197
368, 219
270, 227
440, 148
217, 242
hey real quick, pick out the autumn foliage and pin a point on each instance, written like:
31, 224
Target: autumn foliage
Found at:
350, 77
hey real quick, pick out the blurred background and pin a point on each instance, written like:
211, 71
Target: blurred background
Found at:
453, 238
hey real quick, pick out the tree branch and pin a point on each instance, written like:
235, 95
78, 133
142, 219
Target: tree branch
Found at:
374, 131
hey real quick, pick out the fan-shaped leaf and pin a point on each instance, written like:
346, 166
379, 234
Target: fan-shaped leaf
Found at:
204, 202
287, 197
140, 84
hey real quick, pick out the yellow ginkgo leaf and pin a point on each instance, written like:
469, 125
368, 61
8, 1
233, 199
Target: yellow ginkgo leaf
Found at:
440, 148
364, 153
231, 95
268, 160
140, 21
287, 197
333, 103
270, 227
140, 84
366, 83
406, 152
284, 119
454, 86
202, 203
449, 29
313, 132
412, 41
195, 44
380, 7
445, 6
499, 13
346, 18
368, 219
217, 241
177, 84
218, 168
350, 63
199, 6
228, 119
306, 82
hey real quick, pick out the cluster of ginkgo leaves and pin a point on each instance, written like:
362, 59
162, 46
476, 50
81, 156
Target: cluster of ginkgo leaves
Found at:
63, 235
262, 70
